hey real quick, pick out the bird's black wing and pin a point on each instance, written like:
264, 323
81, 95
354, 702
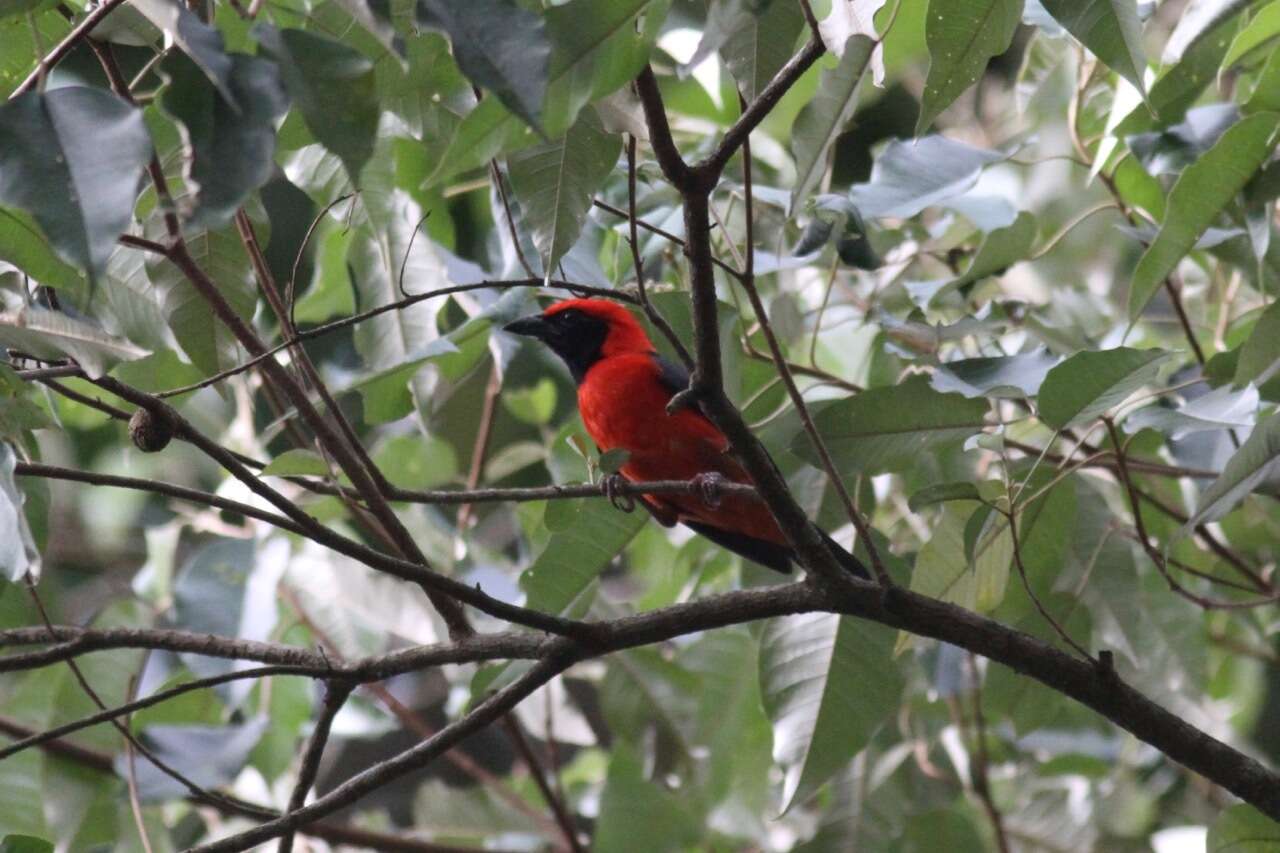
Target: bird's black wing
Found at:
671, 374
768, 554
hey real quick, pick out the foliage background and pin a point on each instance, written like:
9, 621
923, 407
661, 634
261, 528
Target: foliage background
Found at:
1082, 227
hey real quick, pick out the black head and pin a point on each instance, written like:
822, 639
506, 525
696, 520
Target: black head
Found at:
577, 336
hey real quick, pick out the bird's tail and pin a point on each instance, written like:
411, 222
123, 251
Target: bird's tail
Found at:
850, 563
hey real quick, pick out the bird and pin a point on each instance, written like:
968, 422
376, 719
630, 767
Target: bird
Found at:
624, 387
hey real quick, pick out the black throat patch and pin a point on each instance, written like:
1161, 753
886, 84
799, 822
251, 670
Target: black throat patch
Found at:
577, 337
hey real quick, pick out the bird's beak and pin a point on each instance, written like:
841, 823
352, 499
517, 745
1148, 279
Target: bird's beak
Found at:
533, 326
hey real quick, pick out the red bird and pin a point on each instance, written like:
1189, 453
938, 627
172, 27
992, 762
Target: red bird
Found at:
623, 390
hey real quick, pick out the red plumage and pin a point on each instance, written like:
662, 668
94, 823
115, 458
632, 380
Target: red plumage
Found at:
623, 391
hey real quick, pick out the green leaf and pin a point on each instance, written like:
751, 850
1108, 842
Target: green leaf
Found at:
1202, 191
1264, 28
333, 85
199, 41
533, 405
207, 342
509, 60
72, 158
942, 493
1261, 350
633, 807
761, 44
1219, 409
1087, 384
1000, 250
890, 429
232, 141
53, 335
22, 245
1243, 829
1246, 468
24, 844
298, 462
909, 176
1109, 28
556, 182
611, 461
574, 557
828, 682
1012, 377
962, 35
824, 118
595, 49
18, 555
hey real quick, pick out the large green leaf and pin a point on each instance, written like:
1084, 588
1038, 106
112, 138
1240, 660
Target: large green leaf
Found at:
1248, 467
24, 844
889, 429
577, 552
909, 176
509, 60
53, 335
1202, 191
1243, 829
828, 682
556, 182
1087, 384
22, 245
1261, 350
72, 158
333, 85
232, 142
595, 49
1109, 28
761, 44
962, 36
824, 117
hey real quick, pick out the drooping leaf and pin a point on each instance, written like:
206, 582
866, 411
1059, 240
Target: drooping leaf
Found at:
633, 807
199, 41
909, 176
1249, 466
824, 118
232, 141
887, 429
962, 35
19, 557
575, 555
1000, 249
54, 335
1087, 384
509, 60
828, 682
1109, 28
556, 182
762, 43
333, 85
72, 158
1202, 191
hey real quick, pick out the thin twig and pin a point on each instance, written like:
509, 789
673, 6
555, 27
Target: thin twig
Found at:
335, 696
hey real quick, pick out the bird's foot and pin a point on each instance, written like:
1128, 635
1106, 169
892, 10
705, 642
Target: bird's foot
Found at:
709, 488
612, 487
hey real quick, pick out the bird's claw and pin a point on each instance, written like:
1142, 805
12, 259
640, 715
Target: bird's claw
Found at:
611, 486
709, 488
